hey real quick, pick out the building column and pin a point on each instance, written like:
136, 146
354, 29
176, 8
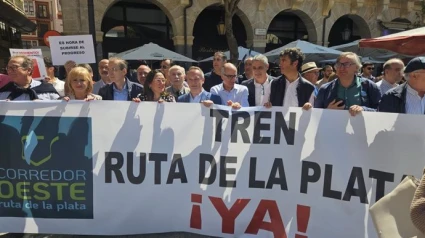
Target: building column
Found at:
258, 45
98, 45
179, 45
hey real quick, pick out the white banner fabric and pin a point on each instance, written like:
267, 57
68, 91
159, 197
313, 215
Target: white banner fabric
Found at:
172, 167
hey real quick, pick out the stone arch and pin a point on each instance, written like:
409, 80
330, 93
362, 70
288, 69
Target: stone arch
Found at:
365, 20
199, 6
305, 18
393, 13
102, 7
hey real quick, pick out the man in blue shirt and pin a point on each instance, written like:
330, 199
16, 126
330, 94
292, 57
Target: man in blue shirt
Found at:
121, 89
231, 94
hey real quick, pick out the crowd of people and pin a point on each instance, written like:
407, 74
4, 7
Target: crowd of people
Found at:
400, 89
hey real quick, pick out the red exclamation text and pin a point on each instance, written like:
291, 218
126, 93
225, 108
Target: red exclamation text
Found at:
303, 216
195, 217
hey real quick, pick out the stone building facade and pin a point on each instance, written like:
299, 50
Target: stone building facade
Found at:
370, 17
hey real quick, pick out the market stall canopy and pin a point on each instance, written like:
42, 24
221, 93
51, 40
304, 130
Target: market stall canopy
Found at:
243, 54
311, 51
364, 52
409, 42
152, 51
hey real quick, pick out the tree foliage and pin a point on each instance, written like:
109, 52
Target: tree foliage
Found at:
230, 7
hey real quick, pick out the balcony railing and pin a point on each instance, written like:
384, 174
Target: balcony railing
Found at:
17, 4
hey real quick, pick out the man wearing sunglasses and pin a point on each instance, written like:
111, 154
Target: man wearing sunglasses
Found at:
231, 94
349, 91
367, 71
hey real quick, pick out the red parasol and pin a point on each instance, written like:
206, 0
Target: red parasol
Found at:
411, 42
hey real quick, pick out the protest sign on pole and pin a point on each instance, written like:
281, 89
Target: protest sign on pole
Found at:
39, 69
78, 48
213, 171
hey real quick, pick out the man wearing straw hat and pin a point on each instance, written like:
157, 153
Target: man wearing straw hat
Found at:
310, 72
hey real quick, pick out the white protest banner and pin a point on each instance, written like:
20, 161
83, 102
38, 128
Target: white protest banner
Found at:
39, 69
78, 48
154, 168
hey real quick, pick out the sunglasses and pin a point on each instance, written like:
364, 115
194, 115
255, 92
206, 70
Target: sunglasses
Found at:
370, 68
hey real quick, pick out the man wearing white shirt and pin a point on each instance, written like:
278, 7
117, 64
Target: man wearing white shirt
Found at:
58, 84
259, 86
291, 89
393, 73
408, 97
231, 94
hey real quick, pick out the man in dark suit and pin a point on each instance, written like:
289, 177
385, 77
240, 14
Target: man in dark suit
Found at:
260, 85
195, 79
291, 89
121, 89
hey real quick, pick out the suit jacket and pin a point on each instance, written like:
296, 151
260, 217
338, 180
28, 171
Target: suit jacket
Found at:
251, 89
204, 96
394, 100
134, 89
369, 100
277, 93
97, 86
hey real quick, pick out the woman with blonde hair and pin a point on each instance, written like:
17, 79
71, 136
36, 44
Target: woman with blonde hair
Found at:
80, 84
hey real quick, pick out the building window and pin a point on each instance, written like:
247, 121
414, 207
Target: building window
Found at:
42, 28
3, 31
28, 44
29, 7
42, 10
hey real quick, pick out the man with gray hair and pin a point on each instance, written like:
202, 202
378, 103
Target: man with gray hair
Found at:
408, 97
247, 70
259, 86
349, 91
176, 77
393, 73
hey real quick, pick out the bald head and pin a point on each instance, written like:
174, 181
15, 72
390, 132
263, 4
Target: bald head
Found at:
142, 72
229, 74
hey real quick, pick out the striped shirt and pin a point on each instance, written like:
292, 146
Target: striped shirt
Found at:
384, 86
414, 103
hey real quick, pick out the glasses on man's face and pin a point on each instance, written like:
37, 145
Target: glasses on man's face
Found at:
13, 67
370, 68
344, 65
230, 76
115, 69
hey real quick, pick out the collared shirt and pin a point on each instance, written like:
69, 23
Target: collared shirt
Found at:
352, 94
176, 93
120, 95
414, 103
239, 94
262, 92
384, 86
25, 97
291, 97
197, 98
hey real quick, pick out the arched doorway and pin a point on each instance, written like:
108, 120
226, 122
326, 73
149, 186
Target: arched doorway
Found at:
348, 28
288, 26
209, 35
129, 24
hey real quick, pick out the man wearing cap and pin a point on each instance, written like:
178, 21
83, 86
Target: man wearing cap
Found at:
408, 97
349, 91
260, 85
310, 72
